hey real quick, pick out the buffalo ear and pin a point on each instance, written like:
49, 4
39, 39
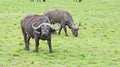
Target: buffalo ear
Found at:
53, 31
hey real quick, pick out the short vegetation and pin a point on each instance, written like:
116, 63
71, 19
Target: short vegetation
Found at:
98, 43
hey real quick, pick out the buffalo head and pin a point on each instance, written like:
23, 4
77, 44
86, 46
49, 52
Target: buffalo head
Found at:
44, 29
74, 29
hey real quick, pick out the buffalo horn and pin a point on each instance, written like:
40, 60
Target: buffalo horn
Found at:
45, 24
34, 27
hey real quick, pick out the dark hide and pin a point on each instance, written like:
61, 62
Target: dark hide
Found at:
64, 18
38, 27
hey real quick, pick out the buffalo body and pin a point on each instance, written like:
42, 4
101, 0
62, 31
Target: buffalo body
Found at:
64, 18
38, 27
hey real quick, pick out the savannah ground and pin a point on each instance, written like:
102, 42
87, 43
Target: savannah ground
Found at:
98, 43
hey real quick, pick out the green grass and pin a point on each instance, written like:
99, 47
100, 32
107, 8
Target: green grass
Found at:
98, 43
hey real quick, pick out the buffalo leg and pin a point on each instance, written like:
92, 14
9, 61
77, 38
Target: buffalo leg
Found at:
26, 40
43, 0
37, 44
65, 30
49, 45
60, 30
27, 43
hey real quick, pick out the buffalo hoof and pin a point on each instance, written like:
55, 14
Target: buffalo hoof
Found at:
27, 49
51, 51
76, 36
35, 51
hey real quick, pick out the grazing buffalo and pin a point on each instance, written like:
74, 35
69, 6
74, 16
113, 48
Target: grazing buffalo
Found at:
37, 0
64, 18
38, 27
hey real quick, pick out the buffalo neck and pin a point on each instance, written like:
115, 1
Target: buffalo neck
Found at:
71, 24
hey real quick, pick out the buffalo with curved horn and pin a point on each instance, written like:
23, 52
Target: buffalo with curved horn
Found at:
38, 27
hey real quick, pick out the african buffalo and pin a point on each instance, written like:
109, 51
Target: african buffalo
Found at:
64, 18
38, 27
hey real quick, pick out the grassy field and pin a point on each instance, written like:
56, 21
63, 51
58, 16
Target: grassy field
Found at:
98, 43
